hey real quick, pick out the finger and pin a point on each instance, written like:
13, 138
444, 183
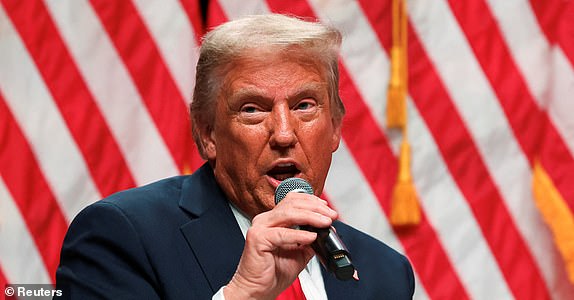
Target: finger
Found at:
309, 202
271, 239
292, 211
304, 201
289, 217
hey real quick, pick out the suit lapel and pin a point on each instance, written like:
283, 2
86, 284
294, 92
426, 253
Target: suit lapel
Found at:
337, 289
213, 234
332, 286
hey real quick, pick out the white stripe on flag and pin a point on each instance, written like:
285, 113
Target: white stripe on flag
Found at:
562, 97
174, 36
483, 116
363, 55
19, 257
532, 54
235, 9
442, 196
114, 91
526, 42
352, 196
42, 124
351, 20
545, 67
452, 218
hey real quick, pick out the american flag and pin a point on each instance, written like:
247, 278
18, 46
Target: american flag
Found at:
93, 98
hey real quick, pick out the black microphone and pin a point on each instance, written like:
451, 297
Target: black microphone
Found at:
328, 246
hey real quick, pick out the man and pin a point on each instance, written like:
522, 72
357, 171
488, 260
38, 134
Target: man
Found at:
265, 108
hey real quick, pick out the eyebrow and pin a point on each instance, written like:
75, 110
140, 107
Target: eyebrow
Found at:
246, 93
256, 93
309, 87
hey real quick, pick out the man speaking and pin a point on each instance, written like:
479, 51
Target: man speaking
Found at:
265, 108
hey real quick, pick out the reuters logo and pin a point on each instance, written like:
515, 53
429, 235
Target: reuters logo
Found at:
9, 291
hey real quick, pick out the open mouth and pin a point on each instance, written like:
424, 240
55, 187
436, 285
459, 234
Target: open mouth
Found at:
283, 171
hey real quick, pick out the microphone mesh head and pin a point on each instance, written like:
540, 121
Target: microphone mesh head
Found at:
292, 184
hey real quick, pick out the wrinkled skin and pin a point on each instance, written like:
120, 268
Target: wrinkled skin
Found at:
273, 121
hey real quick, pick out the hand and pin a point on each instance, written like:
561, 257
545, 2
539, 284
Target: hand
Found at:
275, 253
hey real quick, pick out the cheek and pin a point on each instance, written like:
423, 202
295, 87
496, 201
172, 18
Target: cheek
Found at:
321, 148
323, 144
239, 144
322, 135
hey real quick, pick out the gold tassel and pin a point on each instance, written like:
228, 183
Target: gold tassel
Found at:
556, 214
396, 104
405, 210
397, 90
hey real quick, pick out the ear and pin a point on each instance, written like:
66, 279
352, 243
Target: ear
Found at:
336, 139
208, 142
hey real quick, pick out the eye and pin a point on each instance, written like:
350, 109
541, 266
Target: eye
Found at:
305, 105
252, 113
249, 108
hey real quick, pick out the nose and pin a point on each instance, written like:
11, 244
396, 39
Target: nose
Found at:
282, 127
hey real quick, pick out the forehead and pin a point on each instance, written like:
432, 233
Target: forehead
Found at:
277, 71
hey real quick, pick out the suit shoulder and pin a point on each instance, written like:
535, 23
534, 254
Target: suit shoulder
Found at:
143, 205
162, 192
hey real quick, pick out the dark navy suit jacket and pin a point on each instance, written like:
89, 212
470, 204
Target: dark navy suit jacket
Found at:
178, 239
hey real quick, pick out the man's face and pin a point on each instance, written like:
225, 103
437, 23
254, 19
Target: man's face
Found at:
272, 121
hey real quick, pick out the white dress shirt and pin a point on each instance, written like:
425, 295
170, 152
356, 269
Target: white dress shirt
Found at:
311, 278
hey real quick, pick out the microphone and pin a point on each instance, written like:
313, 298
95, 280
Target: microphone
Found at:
328, 246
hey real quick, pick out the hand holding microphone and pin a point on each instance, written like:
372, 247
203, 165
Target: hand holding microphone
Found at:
275, 253
331, 251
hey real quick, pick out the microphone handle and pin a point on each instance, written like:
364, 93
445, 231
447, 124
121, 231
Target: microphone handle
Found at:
332, 252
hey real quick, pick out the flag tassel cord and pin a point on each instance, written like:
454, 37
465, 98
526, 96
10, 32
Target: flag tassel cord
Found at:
405, 210
556, 214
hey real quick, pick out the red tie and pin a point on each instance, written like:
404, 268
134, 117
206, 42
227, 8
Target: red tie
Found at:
293, 292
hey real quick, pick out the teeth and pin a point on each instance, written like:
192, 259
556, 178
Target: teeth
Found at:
282, 177
284, 165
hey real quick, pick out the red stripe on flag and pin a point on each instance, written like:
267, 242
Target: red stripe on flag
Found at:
363, 137
151, 76
215, 14
557, 162
488, 45
30, 191
520, 108
472, 176
549, 13
3, 280
193, 11
371, 151
556, 18
566, 32
76, 104
461, 155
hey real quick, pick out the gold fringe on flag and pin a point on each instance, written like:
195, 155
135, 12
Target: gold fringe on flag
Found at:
397, 90
556, 214
405, 210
